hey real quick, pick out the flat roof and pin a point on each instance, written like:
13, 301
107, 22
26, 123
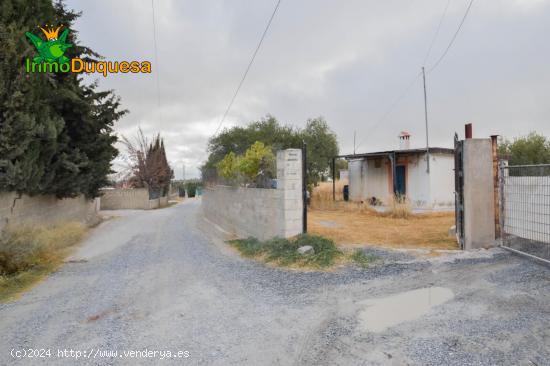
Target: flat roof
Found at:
433, 150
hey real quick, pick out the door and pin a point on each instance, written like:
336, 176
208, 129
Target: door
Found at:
400, 180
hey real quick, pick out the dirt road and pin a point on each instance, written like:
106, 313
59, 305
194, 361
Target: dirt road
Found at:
154, 281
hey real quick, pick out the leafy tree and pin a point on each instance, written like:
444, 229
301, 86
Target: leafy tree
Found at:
258, 160
321, 147
228, 167
56, 133
322, 143
531, 149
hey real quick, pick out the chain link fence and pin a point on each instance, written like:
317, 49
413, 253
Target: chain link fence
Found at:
525, 209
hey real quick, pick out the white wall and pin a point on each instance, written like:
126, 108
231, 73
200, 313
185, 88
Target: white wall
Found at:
423, 189
442, 181
378, 181
418, 181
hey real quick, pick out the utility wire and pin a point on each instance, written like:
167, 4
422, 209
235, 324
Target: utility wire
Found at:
248, 67
156, 59
436, 33
409, 86
454, 37
390, 109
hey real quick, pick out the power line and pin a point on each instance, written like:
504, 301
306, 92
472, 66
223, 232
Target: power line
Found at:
248, 67
409, 86
156, 58
436, 33
391, 107
454, 36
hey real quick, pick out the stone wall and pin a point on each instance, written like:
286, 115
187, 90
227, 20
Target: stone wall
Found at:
46, 210
260, 212
130, 198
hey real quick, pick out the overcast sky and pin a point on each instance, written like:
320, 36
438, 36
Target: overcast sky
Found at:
344, 60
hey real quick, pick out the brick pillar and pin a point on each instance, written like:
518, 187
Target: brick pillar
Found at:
289, 182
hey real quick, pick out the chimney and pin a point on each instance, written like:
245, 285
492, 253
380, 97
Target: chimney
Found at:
404, 140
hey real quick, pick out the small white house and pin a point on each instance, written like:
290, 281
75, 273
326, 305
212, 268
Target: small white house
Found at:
378, 176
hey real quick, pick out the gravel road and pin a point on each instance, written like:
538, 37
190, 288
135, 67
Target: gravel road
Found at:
161, 281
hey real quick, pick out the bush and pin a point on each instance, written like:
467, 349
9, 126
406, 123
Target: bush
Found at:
191, 188
362, 259
25, 248
29, 253
285, 251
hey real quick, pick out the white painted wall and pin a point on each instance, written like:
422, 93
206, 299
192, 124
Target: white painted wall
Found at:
442, 183
378, 181
423, 190
418, 181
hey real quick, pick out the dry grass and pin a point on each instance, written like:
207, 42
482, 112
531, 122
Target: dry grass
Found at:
28, 253
428, 231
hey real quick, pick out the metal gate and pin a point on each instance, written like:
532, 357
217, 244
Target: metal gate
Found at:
459, 191
525, 209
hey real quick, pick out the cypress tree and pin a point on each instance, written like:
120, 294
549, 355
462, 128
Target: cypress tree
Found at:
56, 132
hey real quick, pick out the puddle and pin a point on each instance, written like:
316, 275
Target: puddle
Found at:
380, 314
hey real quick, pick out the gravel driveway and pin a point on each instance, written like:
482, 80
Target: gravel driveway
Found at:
158, 281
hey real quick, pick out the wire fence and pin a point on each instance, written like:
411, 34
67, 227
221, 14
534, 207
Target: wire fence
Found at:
525, 209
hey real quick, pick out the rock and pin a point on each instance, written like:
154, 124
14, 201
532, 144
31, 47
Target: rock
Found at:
306, 249
452, 230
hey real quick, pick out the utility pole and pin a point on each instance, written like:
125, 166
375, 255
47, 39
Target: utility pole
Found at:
426, 118
183, 171
354, 133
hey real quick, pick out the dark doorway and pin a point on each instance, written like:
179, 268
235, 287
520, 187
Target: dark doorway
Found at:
400, 186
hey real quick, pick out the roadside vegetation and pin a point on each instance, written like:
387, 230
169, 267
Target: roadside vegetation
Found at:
27, 254
284, 252
362, 259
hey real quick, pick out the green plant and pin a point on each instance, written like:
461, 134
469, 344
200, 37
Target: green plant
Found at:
362, 259
249, 247
191, 188
228, 167
258, 159
284, 252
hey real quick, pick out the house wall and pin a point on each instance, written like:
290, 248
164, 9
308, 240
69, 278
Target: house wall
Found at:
423, 189
442, 182
46, 210
355, 168
418, 180
377, 180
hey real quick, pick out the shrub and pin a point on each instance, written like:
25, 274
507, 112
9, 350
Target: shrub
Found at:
25, 248
285, 251
362, 259
191, 188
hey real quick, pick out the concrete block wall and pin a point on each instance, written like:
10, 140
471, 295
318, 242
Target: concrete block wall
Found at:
130, 198
260, 212
46, 210
479, 209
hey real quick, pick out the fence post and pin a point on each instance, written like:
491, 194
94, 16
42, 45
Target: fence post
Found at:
304, 187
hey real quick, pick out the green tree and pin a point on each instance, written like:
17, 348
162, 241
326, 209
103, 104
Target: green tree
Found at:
531, 149
56, 133
322, 143
257, 161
